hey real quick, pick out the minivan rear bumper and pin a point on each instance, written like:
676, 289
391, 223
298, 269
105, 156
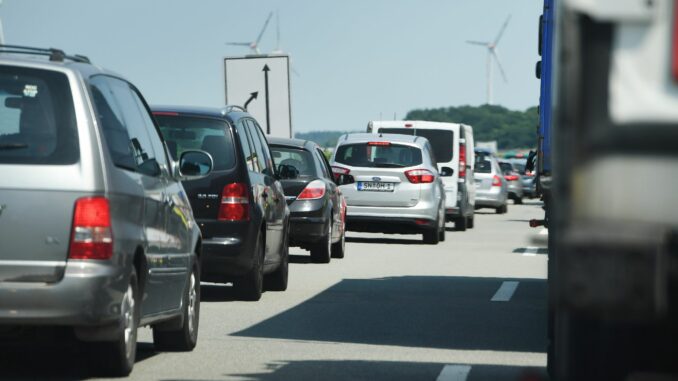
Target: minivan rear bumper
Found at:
89, 294
230, 254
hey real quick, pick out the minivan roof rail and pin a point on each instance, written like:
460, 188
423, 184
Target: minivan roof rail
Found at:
230, 108
55, 55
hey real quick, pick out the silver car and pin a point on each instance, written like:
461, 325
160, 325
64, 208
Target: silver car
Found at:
96, 232
391, 185
491, 187
513, 181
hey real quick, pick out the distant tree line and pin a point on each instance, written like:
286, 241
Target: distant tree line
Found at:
511, 129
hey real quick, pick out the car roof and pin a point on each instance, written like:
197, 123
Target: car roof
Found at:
416, 124
377, 137
229, 112
296, 143
85, 69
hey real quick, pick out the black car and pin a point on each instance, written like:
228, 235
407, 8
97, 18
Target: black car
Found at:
240, 206
318, 210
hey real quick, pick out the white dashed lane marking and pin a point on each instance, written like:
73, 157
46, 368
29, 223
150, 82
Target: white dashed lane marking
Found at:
454, 373
530, 251
505, 291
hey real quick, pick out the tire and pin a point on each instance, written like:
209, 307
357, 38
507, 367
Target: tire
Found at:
460, 224
116, 358
432, 236
518, 200
277, 281
470, 223
441, 234
339, 248
322, 251
502, 209
251, 286
185, 337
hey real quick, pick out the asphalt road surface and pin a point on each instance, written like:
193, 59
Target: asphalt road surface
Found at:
471, 308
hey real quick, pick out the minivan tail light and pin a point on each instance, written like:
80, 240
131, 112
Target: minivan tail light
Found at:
235, 200
91, 234
420, 176
313, 191
383, 144
338, 171
462, 161
496, 181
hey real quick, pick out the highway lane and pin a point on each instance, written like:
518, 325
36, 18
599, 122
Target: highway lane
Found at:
471, 308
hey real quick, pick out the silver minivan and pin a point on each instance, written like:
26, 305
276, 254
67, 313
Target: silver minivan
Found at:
391, 185
96, 232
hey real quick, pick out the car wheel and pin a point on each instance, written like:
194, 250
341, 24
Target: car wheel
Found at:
321, 252
431, 236
460, 224
518, 200
502, 209
470, 222
251, 286
117, 357
184, 337
277, 281
339, 248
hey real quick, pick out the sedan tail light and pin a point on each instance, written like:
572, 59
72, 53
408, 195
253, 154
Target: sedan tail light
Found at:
235, 200
313, 191
496, 181
511, 177
420, 176
91, 235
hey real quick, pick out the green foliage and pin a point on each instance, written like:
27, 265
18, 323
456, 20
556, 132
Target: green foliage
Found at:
511, 129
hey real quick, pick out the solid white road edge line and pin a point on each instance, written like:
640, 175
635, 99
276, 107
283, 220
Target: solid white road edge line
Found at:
505, 291
454, 373
530, 251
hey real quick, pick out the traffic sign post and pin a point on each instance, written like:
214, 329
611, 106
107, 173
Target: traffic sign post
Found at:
261, 84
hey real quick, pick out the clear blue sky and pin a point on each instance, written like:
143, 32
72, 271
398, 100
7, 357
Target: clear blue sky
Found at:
357, 59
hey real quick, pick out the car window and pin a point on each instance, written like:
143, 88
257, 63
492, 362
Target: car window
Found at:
324, 165
124, 129
483, 163
441, 140
261, 148
247, 146
506, 167
199, 133
378, 155
153, 132
300, 159
37, 118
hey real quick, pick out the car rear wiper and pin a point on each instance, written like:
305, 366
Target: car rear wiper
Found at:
388, 165
9, 146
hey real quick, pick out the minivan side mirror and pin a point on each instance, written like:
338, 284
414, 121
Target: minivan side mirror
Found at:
194, 164
446, 172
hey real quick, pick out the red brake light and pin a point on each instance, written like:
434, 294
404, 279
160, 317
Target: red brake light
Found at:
91, 235
511, 177
235, 202
338, 171
167, 113
383, 144
313, 191
419, 176
496, 181
462, 161
409, 125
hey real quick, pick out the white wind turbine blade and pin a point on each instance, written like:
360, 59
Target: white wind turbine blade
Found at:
501, 68
277, 31
261, 34
502, 30
480, 43
239, 43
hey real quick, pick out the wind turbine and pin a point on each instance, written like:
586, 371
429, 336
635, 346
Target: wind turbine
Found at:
278, 50
2, 32
254, 45
492, 55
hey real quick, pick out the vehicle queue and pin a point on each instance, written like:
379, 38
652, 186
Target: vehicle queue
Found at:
139, 204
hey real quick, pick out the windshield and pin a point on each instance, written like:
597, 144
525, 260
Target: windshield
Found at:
300, 159
506, 167
37, 118
442, 141
483, 163
183, 133
378, 156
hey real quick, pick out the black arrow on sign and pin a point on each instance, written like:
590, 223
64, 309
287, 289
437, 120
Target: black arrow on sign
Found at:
268, 118
253, 96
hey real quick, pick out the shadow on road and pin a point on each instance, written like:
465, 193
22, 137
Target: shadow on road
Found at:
217, 293
387, 241
301, 259
541, 250
51, 353
418, 311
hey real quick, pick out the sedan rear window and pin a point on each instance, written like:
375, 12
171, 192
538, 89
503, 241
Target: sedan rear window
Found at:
37, 118
378, 156
298, 158
183, 133
483, 163
442, 141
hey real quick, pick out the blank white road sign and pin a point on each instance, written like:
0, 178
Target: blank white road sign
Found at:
263, 83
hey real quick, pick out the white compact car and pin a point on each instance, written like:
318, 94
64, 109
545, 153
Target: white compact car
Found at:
391, 185
452, 145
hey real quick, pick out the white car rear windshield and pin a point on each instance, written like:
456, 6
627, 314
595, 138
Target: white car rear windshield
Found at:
378, 155
37, 118
442, 141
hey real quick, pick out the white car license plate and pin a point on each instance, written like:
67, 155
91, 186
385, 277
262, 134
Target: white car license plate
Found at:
374, 186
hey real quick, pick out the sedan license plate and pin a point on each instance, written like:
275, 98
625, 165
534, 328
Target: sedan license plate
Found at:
374, 186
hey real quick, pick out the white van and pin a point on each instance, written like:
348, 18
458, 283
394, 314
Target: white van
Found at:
453, 148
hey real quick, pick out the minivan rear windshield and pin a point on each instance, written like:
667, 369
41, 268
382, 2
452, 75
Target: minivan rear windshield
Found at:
442, 141
183, 133
37, 118
378, 156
